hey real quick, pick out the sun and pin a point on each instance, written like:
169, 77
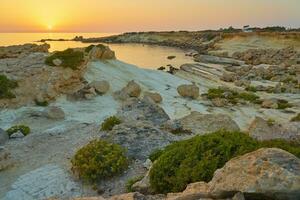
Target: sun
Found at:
50, 27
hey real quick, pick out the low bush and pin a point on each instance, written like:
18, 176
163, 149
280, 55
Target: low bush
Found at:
99, 160
197, 159
232, 96
251, 89
22, 128
296, 118
283, 104
6, 85
70, 58
109, 123
41, 103
132, 181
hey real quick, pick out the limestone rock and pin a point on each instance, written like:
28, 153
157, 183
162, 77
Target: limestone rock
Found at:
228, 77
266, 173
136, 109
191, 91
17, 134
3, 137
193, 191
261, 129
140, 138
218, 60
132, 89
156, 97
270, 103
101, 53
5, 159
219, 102
199, 123
53, 112
101, 87
57, 62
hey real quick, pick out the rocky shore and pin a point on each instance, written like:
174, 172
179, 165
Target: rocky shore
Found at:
226, 127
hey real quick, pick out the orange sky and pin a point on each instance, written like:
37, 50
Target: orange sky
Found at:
143, 15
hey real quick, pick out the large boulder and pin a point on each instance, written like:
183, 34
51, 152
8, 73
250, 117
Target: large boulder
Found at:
199, 123
136, 109
101, 53
101, 87
261, 129
132, 89
140, 138
3, 137
53, 112
268, 173
191, 91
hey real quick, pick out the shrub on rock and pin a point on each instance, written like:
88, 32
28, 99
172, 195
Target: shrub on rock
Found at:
25, 130
5, 87
99, 160
196, 159
69, 58
109, 123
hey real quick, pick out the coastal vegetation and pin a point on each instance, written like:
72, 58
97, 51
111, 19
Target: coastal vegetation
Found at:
197, 159
109, 123
99, 160
25, 130
296, 118
6, 85
69, 58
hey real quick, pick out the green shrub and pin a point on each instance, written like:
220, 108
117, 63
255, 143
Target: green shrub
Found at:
197, 159
132, 181
251, 89
215, 93
283, 104
22, 128
109, 123
99, 160
270, 122
248, 96
292, 147
41, 103
70, 58
296, 118
5, 87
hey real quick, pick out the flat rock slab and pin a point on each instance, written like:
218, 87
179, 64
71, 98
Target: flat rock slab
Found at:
42, 183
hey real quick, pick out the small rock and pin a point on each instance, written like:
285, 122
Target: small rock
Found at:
219, 102
270, 104
57, 62
17, 134
171, 57
132, 89
156, 97
101, 87
191, 91
147, 164
53, 112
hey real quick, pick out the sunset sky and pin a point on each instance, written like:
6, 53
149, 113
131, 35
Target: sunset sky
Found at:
143, 15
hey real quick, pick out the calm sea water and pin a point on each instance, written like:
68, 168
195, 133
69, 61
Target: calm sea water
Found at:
145, 56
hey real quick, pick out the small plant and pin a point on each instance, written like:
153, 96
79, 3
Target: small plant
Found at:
6, 85
251, 89
215, 93
296, 118
99, 160
25, 130
109, 123
283, 104
132, 181
247, 96
41, 103
270, 122
70, 58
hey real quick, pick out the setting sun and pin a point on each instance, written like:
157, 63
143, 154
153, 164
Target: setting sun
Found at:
50, 27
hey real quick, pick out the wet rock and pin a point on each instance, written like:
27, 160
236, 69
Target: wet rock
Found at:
101, 87
53, 112
191, 91
140, 138
199, 123
136, 109
3, 137
261, 129
267, 173
156, 97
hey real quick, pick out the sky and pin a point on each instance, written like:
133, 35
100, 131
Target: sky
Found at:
143, 15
